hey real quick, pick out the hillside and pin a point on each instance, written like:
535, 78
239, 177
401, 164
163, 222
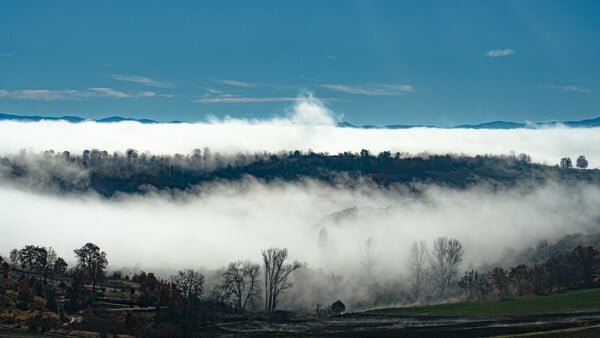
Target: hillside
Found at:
136, 173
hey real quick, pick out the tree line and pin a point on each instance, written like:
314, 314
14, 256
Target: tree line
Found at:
179, 302
434, 274
134, 172
558, 273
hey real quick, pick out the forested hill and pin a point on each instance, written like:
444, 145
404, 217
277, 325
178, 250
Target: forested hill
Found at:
131, 172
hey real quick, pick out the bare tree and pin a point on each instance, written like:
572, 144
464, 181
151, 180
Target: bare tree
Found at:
418, 258
446, 257
240, 281
276, 275
368, 259
189, 283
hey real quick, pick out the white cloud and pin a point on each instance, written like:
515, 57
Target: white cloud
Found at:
571, 88
69, 94
144, 80
109, 92
310, 111
43, 94
118, 94
500, 52
217, 96
236, 83
372, 90
242, 99
213, 91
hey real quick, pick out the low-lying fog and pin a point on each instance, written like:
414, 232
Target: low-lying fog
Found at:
225, 222
308, 125
323, 225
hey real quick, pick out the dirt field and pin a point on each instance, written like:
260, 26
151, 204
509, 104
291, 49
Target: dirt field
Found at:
581, 325
575, 325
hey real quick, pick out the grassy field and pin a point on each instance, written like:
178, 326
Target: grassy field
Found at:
571, 302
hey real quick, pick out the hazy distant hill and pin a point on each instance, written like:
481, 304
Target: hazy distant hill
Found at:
73, 119
109, 174
487, 125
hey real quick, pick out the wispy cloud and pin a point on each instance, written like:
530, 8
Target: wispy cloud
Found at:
236, 83
570, 88
144, 80
5, 55
43, 94
118, 94
217, 96
69, 94
213, 91
371, 90
499, 52
243, 99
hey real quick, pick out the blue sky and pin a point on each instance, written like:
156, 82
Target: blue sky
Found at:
419, 62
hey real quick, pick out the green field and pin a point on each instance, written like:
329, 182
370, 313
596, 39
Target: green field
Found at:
571, 302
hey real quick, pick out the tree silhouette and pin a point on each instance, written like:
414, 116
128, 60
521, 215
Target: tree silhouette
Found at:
582, 162
368, 260
446, 257
92, 262
33, 258
587, 258
240, 281
276, 275
418, 258
566, 163
519, 275
500, 280
189, 283
338, 308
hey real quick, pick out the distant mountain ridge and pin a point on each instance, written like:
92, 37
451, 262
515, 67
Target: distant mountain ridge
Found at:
73, 119
588, 123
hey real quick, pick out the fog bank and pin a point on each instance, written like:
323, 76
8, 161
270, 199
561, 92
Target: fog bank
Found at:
225, 222
309, 125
